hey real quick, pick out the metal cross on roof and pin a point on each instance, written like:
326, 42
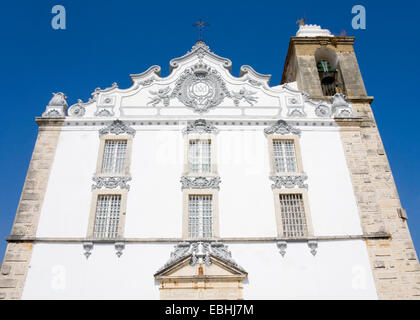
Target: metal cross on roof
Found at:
200, 25
302, 21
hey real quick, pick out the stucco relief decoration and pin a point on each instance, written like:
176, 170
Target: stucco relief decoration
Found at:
289, 182
111, 182
200, 88
105, 107
200, 253
296, 111
117, 127
255, 83
323, 111
162, 95
282, 127
246, 95
200, 183
87, 248
313, 246
340, 107
119, 248
200, 126
77, 110
282, 245
104, 113
57, 106
295, 107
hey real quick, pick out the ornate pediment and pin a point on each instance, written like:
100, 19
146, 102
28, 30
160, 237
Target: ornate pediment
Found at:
282, 127
201, 270
201, 182
201, 82
117, 127
200, 126
200, 253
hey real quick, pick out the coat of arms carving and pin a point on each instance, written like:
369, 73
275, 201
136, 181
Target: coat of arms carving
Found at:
200, 88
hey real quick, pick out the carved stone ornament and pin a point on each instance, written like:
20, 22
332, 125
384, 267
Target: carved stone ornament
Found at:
282, 245
59, 99
282, 127
201, 182
111, 182
200, 88
104, 112
323, 111
117, 127
162, 95
87, 247
146, 82
119, 247
53, 113
77, 110
57, 106
200, 126
289, 182
296, 111
246, 95
313, 245
340, 107
200, 253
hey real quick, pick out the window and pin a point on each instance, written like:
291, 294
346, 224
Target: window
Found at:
199, 156
200, 218
284, 156
114, 157
107, 216
293, 215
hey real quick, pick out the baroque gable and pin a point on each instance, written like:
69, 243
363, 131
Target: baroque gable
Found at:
201, 83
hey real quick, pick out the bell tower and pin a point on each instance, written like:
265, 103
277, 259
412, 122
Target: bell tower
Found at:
323, 66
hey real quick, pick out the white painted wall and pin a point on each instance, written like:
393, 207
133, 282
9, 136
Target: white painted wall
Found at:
340, 270
246, 209
154, 205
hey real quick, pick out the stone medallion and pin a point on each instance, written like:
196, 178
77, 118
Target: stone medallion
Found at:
200, 88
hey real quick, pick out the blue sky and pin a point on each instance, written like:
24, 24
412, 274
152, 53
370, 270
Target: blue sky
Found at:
105, 41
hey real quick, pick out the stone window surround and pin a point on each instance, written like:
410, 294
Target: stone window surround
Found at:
94, 201
277, 208
186, 193
298, 154
201, 136
99, 163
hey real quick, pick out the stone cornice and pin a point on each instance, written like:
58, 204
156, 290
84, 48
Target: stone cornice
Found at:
370, 236
42, 122
316, 40
352, 99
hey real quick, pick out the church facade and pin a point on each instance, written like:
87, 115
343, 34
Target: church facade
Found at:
204, 185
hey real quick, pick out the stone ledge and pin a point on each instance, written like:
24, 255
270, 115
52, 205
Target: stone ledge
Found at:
367, 236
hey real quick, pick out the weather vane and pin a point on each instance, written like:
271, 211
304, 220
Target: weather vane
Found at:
200, 25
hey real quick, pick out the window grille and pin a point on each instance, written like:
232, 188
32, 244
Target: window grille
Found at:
293, 215
200, 216
284, 156
114, 156
107, 216
199, 156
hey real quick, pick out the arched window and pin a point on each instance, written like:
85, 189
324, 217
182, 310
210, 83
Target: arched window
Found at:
329, 73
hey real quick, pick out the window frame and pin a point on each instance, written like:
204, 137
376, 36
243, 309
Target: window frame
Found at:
279, 221
111, 137
213, 157
94, 203
298, 155
215, 212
